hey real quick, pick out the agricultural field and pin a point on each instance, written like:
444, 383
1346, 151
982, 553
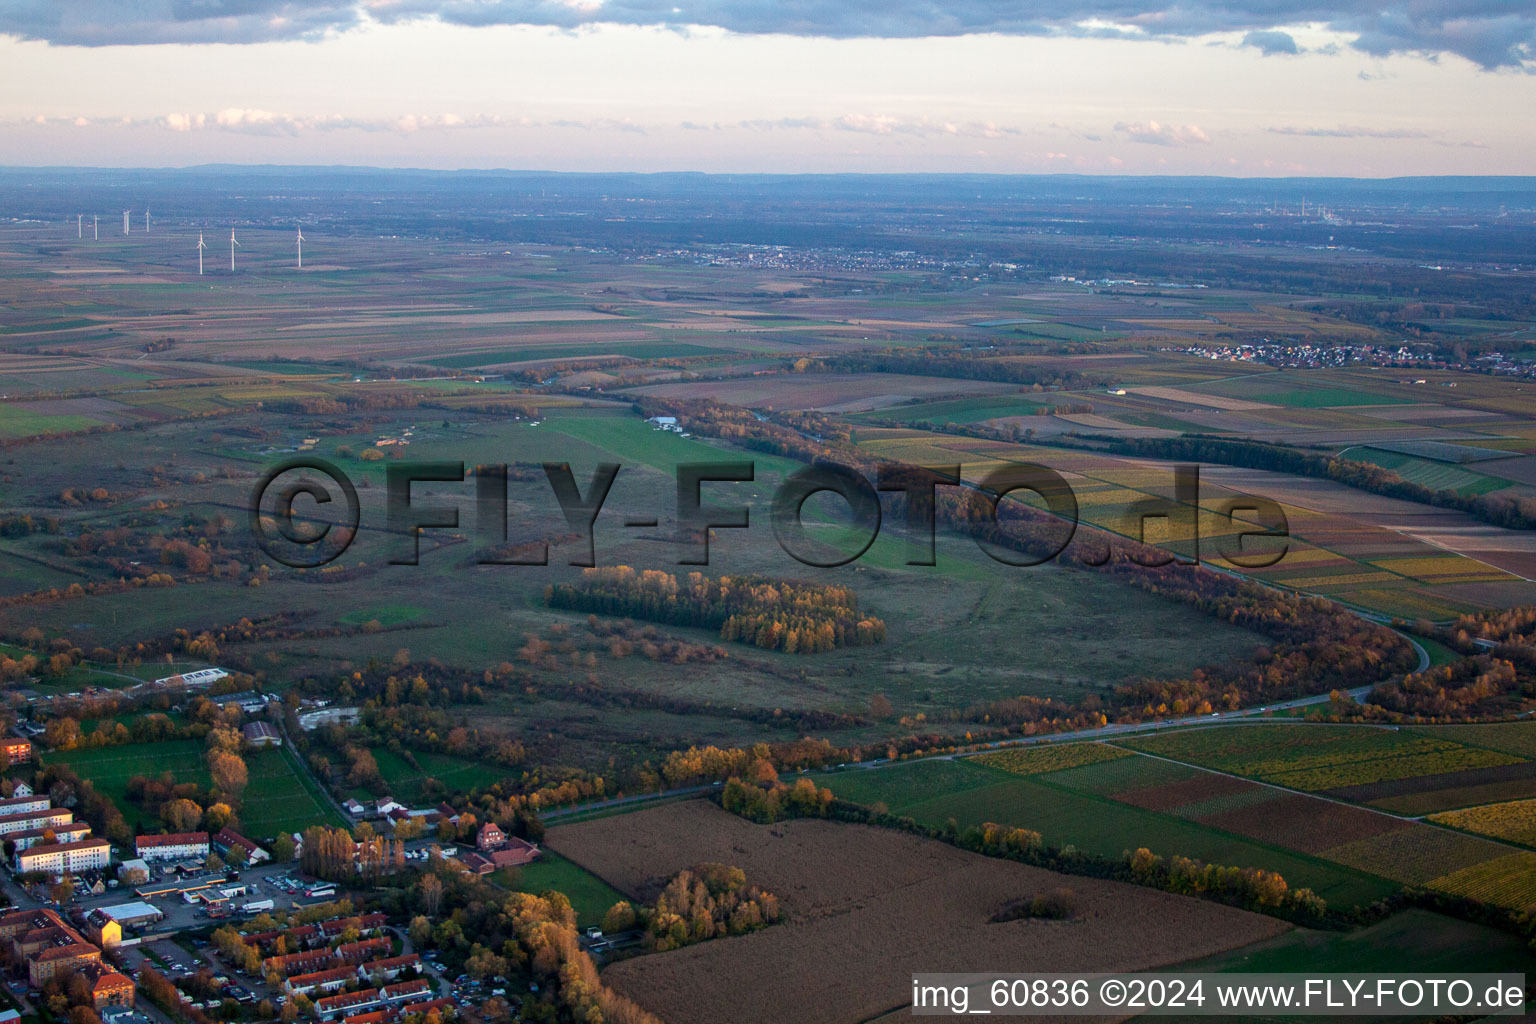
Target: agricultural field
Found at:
1083, 806
532, 322
1037, 759
1321, 758
847, 949
1348, 854
1513, 820
1379, 554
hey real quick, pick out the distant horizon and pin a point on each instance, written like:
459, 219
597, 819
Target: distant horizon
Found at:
684, 172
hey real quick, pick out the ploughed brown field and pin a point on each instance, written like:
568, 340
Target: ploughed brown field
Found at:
865, 908
1305, 823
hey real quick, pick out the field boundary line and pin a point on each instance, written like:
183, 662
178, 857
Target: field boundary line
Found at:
1329, 799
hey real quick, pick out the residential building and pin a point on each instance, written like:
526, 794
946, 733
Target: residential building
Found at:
515, 853
306, 962
490, 837
173, 846
363, 950
103, 930
347, 1003
366, 924
47, 944
18, 803
27, 821
389, 968
109, 988
228, 839
320, 982
20, 788
15, 751
133, 872
71, 833
58, 858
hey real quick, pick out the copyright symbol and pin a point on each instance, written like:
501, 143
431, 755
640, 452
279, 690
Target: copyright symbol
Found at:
316, 539
1112, 992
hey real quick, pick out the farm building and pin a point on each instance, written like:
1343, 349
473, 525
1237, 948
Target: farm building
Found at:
201, 679
261, 734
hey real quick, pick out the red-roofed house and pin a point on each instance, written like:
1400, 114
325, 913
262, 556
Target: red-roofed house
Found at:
363, 950
333, 980
228, 839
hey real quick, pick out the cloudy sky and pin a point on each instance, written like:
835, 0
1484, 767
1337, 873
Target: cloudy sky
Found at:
1245, 87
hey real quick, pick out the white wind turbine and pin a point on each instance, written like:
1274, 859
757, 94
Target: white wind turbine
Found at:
232, 244
201, 245
146, 220
125, 220
79, 225
301, 246
95, 228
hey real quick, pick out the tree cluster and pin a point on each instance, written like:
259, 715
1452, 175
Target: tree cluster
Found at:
779, 615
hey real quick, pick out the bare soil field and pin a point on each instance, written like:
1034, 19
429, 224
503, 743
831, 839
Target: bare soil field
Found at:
865, 909
1524, 771
1305, 823
1205, 786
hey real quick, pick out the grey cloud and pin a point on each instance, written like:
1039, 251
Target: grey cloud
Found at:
1353, 132
1269, 42
1492, 33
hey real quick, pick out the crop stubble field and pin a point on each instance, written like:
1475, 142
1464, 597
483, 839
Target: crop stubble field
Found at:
852, 895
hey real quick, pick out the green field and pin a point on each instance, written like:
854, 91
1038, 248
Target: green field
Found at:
280, 797
1431, 943
576, 350
408, 784
1438, 476
110, 768
1325, 398
18, 422
590, 896
277, 796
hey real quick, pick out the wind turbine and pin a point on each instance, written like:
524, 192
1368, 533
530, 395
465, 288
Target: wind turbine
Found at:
232, 244
146, 220
201, 245
79, 225
95, 228
301, 246
125, 220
